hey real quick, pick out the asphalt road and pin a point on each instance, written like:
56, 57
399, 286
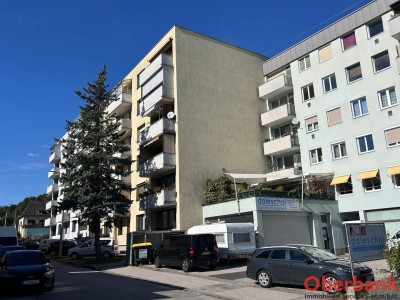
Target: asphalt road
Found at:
77, 283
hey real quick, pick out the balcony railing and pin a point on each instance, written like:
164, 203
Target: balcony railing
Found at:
52, 188
151, 104
281, 114
275, 86
125, 128
54, 173
50, 204
125, 154
285, 144
394, 27
157, 165
163, 198
55, 156
122, 105
50, 222
62, 217
155, 130
162, 60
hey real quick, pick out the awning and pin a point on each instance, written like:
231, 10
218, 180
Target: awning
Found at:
393, 170
367, 174
340, 179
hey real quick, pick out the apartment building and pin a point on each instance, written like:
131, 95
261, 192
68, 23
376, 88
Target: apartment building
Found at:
333, 100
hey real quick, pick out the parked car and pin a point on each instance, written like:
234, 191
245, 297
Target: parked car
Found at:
54, 247
293, 264
29, 245
4, 249
88, 249
44, 244
26, 269
187, 251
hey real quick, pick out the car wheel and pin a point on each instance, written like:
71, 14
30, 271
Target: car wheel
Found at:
212, 267
51, 286
264, 279
330, 283
74, 255
107, 254
186, 265
157, 262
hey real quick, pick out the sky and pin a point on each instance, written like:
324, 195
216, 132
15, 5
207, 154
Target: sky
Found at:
49, 49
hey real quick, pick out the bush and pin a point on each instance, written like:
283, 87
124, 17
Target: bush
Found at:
392, 257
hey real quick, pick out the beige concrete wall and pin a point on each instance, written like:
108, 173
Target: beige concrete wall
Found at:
218, 117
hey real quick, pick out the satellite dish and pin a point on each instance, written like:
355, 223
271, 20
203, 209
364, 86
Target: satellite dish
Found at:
295, 121
170, 115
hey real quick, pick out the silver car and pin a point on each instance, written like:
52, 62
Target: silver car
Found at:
88, 249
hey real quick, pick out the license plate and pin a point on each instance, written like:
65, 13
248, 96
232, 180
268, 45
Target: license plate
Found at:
205, 253
30, 282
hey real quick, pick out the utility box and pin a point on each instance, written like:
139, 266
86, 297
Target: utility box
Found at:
142, 253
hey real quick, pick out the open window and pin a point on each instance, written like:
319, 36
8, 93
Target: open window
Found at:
370, 179
343, 184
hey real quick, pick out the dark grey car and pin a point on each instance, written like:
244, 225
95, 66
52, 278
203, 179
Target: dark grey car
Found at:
294, 264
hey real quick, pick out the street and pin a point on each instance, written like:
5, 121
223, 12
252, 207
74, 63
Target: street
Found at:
77, 283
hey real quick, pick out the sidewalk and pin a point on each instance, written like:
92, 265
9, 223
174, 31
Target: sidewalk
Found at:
211, 284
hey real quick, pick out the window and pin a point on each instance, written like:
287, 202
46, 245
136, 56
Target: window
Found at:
375, 28
339, 150
311, 124
381, 61
282, 131
220, 238
304, 63
387, 97
393, 137
308, 92
325, 53
329, 83
275, 103
278, 254
334, 116
140, 223
297, 255
349, 41
241, 237
264, 254
324, 219
316, 156
353, 73
396, 180
345, 187
371, 184
359, 107
365, 144
74, 226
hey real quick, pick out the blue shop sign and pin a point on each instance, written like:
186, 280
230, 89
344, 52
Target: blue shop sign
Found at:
277, 204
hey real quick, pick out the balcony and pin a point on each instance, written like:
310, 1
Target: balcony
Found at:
50, 204
125, 154
122, 105
157, 165
164, 198
54, 173
55, 156
394, 27
62, 217
150, 105
125, 128
283, 145
281, 114
162, 60
52, 188
156, 130
275, 86
125, 179
50, 222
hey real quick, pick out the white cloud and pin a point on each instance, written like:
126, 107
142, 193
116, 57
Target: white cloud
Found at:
33, 166
33, 154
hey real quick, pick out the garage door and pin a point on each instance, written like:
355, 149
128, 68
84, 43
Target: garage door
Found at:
286, 228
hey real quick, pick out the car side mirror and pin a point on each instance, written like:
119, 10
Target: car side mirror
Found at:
308, 261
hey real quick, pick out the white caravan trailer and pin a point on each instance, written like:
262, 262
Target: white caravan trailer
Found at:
235, 240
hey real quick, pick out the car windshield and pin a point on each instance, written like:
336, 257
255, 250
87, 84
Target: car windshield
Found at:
23, 258
319, 254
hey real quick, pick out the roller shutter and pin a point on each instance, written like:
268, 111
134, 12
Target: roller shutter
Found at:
281, 228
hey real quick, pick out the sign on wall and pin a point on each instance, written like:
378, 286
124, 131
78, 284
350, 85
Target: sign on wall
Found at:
366, 241
277, 204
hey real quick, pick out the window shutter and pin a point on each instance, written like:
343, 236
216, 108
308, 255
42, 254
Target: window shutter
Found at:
325, 53
311, 120
393, 135
334, 116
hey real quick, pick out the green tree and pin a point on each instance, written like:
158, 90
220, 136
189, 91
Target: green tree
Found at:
93, 171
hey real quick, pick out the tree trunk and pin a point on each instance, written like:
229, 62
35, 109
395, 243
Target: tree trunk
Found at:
97, 233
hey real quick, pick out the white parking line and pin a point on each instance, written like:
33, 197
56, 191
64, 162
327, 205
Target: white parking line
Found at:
83, 272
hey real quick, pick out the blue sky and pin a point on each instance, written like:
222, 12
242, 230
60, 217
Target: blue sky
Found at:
50, 48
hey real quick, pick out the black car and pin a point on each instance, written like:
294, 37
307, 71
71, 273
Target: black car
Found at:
4, 249
296, 263
26, 269
29, 245
187, 251
53, 248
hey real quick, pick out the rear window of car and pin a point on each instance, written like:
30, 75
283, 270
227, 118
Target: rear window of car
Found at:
278, 254
264, 254
105, 242
205, 240
22, 258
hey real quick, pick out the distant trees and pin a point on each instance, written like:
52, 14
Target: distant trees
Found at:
93, 167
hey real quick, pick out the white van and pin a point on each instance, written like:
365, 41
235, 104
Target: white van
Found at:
235, 240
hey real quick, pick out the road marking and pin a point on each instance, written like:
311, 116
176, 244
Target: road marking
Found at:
82, 272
